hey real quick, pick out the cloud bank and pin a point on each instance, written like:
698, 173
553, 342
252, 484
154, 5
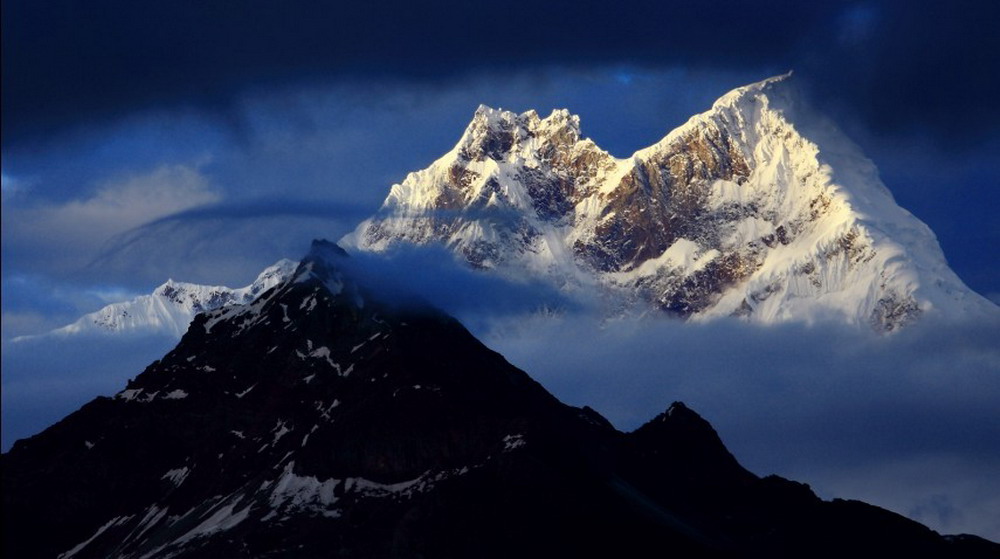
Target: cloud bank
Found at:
887, 60
907, 422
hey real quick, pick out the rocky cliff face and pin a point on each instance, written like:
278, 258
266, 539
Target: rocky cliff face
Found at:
755, 208
320, 420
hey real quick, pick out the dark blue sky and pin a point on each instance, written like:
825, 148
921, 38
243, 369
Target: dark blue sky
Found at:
203, 140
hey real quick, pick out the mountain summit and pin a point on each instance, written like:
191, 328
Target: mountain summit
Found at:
756, 208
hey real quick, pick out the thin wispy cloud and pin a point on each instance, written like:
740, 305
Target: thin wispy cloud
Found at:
65, 233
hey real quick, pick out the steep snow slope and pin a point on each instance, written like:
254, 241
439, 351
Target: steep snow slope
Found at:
171, 306
756, 208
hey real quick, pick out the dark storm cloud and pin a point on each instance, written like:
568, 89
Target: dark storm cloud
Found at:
915, 67
69, 62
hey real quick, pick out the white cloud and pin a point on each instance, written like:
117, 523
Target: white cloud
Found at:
67, 234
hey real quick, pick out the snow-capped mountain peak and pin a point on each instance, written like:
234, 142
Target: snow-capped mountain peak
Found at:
170, 308
499, 134
757, 208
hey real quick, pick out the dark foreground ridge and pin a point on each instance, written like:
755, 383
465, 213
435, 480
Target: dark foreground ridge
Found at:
321, 422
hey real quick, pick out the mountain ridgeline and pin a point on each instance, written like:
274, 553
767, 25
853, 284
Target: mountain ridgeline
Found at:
757, 208
170, 307
321, 420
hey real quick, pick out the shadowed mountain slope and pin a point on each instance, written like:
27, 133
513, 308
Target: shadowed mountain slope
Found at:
320, 421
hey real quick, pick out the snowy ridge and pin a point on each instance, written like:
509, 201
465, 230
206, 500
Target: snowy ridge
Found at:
496, 173
757, 208
170, 308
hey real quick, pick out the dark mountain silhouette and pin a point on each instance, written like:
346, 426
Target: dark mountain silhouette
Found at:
321, 421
